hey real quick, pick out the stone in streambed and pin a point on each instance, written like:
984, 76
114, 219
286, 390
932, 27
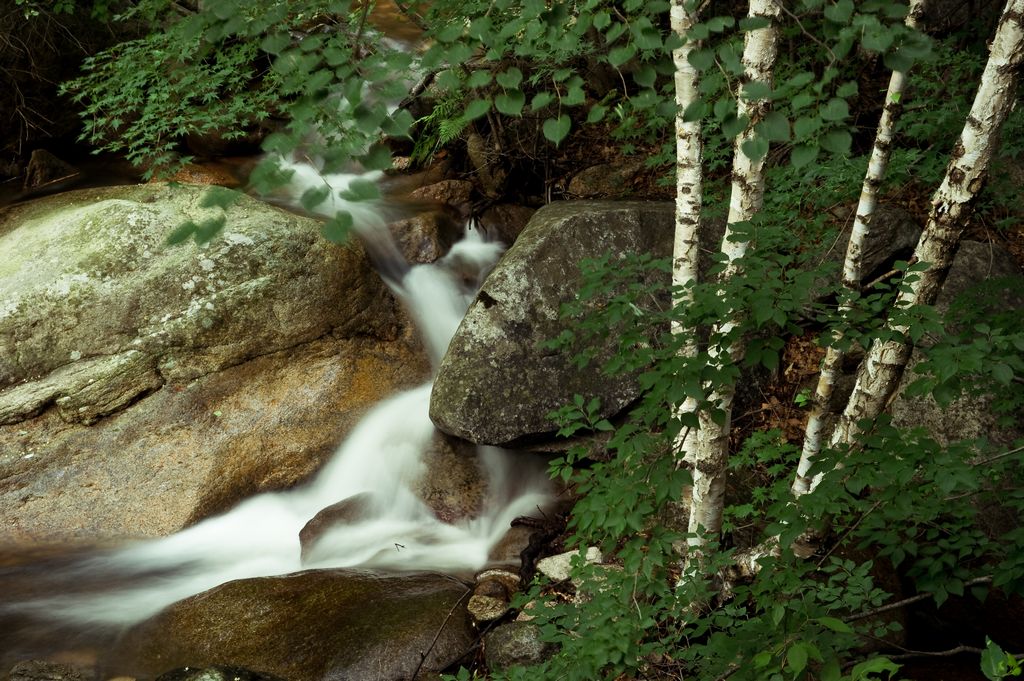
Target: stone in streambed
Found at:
309, 626
495, 385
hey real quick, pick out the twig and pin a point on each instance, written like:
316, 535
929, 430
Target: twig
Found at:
807, 33
423, 656
412, 16
908, 601
362, 23
887, 275
989, 460
853, 527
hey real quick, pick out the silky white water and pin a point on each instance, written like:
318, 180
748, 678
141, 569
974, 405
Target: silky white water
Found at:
381, 459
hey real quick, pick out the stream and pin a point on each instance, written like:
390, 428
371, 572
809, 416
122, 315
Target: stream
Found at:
91, 595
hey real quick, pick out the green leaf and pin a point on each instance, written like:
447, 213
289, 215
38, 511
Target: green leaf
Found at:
601, 20
696, 111
314, 196
337, 228
360, 189
398, 124
219, 197
840, 12
701, 59
835, 109
181, 233
898, 61
836, 141
869, 668
207, 229
835, 624
478, 78
755, 90
734, 125
541, 100
618, 56
597, 113
510, 79
1002, 373
377, 158
847, 89
775, 127
275, 43
803, 154
556, 129
805, 126
476, 109
645, 76
796, 658
510, 103
755, 148
754, 23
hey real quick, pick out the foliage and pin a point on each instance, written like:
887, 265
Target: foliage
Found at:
326, 82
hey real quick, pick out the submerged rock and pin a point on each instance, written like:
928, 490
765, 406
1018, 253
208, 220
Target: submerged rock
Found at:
495, 385
310, 626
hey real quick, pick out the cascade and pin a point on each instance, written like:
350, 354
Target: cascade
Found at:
379, 461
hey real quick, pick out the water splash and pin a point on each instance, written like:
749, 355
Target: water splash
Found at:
379, 463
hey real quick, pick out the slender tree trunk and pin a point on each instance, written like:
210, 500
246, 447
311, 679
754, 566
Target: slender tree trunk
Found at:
852, 270
759, 52
880, 374
689, 197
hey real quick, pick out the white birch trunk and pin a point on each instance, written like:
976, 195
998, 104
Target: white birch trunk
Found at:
882, 369
707, 502
689, 197
852, 274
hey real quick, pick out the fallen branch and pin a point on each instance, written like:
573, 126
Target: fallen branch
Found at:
908, 601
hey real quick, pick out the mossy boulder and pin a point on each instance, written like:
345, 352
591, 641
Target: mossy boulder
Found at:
144, 387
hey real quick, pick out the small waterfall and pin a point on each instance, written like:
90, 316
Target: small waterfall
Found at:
378, 463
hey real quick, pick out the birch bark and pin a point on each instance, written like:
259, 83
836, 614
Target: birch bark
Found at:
880, 374
689, 198
852, 270
747, 192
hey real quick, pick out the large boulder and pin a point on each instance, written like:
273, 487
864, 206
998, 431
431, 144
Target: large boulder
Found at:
495, 385
309, 626
967, 417
144, 387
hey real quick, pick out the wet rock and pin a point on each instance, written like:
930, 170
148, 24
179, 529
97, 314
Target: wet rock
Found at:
515, 643
606, 180
494, 385
454, 193
506, 221
41, 670
309, 626
220, 673
144, 387
425, 237
43, 168
492, 595
345, 512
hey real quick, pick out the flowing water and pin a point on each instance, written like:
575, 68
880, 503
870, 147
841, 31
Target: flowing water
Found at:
379, 462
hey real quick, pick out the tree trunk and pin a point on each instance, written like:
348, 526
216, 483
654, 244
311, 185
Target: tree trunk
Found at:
689, 198
852, 270
759, 52
880, 374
